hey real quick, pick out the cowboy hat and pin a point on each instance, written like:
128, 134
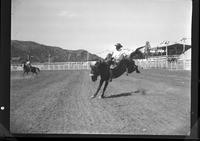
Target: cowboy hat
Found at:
118, 45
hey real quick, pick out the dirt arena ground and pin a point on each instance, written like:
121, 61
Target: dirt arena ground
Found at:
154, 102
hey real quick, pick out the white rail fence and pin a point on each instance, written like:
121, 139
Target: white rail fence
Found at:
58, 66
179, 64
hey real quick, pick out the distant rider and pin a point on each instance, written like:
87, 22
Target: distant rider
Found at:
28, 63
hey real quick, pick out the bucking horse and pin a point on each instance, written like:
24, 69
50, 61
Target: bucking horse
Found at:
102, 68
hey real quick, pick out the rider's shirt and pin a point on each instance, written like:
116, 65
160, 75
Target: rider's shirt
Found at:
118, 54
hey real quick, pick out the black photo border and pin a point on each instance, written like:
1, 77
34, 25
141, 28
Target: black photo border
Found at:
5, 83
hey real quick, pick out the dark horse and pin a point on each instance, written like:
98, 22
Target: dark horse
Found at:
28, 69
102, 69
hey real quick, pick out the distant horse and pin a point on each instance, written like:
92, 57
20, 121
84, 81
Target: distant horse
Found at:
28, 69
102, 69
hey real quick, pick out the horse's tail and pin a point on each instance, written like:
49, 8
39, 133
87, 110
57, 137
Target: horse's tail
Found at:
132, 66
137, 70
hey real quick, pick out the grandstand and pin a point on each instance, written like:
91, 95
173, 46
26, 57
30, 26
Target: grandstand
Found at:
171, 50
173, 57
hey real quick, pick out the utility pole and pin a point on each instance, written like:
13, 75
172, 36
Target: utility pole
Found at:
183, 41
147, 49
166, 50
88, 56
166, 46
49, 60
88, 60
29, 55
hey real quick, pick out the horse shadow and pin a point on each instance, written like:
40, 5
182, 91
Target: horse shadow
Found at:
126, 94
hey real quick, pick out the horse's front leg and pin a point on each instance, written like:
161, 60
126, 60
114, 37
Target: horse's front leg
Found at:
33, 74
126, 71
104, 89
100, 84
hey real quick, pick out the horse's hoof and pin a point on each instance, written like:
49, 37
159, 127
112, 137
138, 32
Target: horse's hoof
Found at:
101, 97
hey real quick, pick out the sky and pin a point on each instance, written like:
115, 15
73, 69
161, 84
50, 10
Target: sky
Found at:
97, 25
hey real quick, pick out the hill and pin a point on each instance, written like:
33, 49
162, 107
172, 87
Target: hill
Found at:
40, 53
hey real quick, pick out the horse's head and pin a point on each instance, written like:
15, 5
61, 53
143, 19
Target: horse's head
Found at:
109, 56
95, 70
24, 66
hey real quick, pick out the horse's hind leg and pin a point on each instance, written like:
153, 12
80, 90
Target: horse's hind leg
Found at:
137, 71
36, 73
100, 84
104, 89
